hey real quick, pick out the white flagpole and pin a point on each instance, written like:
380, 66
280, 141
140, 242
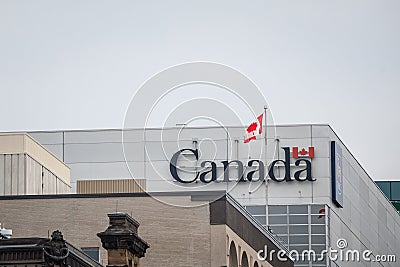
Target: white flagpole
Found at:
265, 134
266, 164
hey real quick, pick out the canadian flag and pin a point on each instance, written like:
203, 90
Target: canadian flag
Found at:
254, 129
303, 153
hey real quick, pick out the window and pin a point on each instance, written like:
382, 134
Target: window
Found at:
258, 212
298, 229
303, 209
385, 187
302, 227
261, 218
279, 229
93, 252
298, 219
277, 220
396, 205
277, 209
395, 191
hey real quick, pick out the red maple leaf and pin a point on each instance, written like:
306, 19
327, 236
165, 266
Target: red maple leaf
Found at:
303, 152
252, 127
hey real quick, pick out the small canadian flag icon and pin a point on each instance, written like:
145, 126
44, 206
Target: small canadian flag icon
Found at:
303, 153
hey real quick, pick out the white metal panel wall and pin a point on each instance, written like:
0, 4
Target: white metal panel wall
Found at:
367, 219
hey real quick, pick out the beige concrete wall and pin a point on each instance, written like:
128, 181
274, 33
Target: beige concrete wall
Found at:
177, 236
20, 174
21, 143
111, 186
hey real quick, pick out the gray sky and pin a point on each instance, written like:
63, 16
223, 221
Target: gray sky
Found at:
76, 64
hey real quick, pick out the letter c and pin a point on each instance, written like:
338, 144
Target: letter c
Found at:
174, 161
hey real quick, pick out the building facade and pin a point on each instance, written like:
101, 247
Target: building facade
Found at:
311, 191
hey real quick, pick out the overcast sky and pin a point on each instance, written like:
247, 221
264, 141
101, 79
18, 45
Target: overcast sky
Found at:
76, 64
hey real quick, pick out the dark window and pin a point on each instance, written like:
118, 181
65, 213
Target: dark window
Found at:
261, 218
277, 220
318, 229
395, 191
256, 210
298, 239
385, 187
277, 209
318, 239
298, 209
92, 252
318, 219
298, 219
396, 205
279, 229
298, 229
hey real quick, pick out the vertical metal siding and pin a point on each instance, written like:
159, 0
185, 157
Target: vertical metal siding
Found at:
20, 174
111, 186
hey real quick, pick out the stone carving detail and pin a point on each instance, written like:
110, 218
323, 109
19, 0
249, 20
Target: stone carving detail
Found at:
56, 251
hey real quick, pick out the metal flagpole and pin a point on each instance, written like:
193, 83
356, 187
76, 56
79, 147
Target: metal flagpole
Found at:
266, 164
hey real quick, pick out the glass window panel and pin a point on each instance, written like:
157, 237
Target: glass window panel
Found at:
277, 209
299, 248
298, 239
279, 229
395, 191
385, 187
321, 260
316, 209
318, 219
318, 248
261, 218
396, 205
277, 219
92, 252
256, 210
298, 209
298, 229
301, 262
298, 219
284, 238
318, 229
318, 239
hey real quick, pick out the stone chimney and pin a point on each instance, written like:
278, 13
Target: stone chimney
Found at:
121, 240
